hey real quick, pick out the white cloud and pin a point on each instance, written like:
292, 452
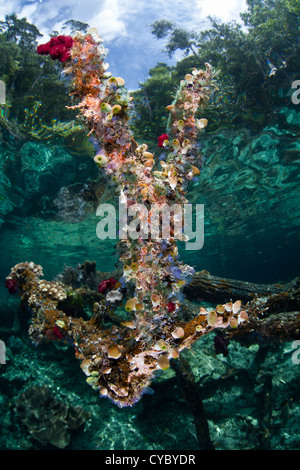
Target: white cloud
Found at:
105, 15
108, 20
6, 9
115, 18
28, 11
225, 10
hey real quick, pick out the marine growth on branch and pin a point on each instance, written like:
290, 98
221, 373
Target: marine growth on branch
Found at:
120, 360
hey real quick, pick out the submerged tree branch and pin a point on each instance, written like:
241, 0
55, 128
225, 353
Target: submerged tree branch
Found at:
191, 392
217, 289
273, 309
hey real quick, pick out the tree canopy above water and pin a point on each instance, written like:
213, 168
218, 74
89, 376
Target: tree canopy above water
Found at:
255, 61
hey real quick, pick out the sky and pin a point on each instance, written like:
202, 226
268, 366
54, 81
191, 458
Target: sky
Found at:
125, 25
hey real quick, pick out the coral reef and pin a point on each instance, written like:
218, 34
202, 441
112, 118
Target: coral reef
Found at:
121, 359
48, 419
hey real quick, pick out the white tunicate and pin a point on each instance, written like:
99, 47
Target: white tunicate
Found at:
114, 295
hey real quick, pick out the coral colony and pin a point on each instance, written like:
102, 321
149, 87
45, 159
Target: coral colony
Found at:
120, 360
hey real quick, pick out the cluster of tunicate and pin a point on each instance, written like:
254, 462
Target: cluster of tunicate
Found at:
119, 355
114, 295
120, 360
104, 101
58, 48
18, 270
52, 290
26, 277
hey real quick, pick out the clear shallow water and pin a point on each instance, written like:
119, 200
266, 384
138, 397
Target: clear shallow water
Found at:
249, 187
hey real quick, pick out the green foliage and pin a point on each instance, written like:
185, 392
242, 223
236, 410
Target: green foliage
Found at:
161, 28
178, 38
75, 25
19, 31
36, 93
10, 57
274, 26
150, 100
